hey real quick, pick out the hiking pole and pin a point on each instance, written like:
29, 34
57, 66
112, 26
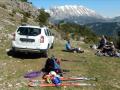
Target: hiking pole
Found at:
68, 79
78, 78
66, 84
31, 84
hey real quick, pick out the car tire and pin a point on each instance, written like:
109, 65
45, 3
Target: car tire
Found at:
46, 52
14, 52
52, 46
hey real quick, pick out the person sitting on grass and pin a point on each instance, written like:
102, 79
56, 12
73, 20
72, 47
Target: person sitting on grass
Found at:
71, 49
102, 42
109, 49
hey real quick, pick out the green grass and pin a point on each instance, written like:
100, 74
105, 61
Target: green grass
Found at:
105, 69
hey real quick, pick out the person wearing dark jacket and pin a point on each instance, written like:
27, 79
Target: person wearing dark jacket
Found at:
102, 42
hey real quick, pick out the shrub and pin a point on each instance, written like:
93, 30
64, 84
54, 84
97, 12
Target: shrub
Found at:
23, 0
24, 20
117, 42
26, 14
76, 31
3, 6
12, 13
42, 17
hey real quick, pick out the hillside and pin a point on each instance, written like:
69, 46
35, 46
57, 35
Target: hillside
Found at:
13, 67
17, 5
116, 19
11, 14
105, 28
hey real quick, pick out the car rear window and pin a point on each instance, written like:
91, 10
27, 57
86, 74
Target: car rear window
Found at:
29, 31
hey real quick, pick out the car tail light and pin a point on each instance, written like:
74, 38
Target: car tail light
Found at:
13, 36
42, 39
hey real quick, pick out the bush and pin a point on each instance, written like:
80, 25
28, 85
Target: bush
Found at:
42, 17
90, 40
76, 31
3, 6
117, 42
24, 20
24, 0
27, 14
12, 13
11, 19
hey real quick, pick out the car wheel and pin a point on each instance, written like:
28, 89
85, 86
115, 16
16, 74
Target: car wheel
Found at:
14, 52
46, 52
52, 46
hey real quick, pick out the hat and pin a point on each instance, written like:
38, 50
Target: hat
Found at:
111, 42
53, 73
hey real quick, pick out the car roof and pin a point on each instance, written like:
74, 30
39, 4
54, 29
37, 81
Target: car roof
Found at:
33, 26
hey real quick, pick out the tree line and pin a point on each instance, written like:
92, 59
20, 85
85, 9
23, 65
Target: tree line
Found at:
75, 31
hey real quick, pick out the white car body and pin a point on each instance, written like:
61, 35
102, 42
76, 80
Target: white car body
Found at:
32, 39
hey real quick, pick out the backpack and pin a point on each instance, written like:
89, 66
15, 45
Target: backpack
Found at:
51, 64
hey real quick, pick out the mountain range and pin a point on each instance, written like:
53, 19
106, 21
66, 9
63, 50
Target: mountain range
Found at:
74, 13
85, 16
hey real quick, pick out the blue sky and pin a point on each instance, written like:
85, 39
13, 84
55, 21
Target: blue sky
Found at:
107, 8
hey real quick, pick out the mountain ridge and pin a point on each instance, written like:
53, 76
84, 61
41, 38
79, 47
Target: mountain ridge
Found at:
75, 13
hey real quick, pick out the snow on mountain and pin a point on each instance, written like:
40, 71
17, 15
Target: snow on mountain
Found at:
73, 13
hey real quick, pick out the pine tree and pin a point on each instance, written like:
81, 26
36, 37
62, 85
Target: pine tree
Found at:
43, 17
24, 0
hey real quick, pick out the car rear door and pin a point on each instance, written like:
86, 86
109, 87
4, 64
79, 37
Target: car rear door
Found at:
28, 37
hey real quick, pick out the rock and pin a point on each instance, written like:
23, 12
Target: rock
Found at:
14, 73
10, 85
6, 75
1, 79
4, 64
18, 61
7, 50
19, 85
10, 36
8, 22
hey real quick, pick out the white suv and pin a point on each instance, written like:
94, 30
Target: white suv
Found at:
32, 39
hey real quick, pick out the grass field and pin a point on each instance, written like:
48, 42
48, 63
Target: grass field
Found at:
105, 69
